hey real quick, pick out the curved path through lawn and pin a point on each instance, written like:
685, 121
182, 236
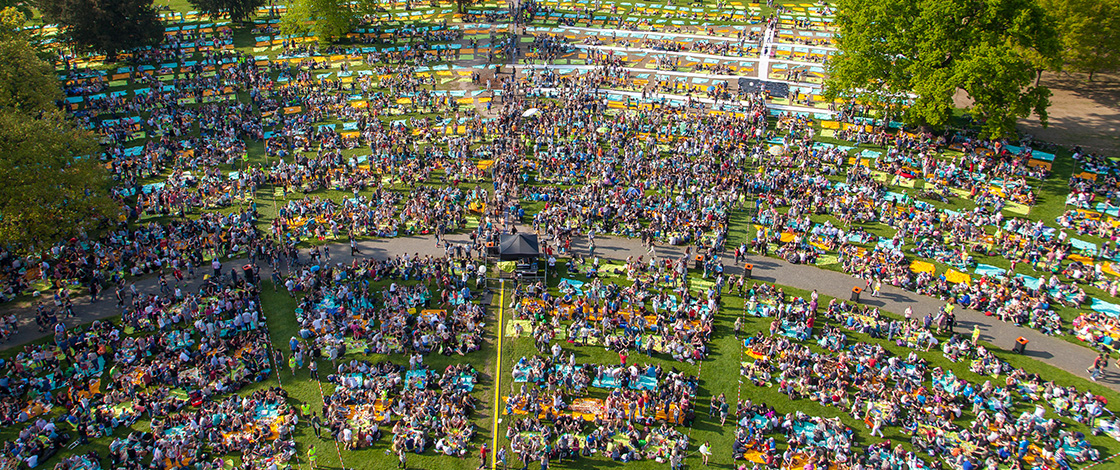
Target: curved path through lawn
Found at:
1054, 351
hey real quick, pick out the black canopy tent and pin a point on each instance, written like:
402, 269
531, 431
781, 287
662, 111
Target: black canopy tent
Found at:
524, 249
519, 246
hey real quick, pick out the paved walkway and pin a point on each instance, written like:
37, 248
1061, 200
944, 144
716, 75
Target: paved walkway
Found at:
1056, 352
728, 105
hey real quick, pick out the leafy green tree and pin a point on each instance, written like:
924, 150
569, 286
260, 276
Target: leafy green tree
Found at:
912, 56
330, 20
105, 26
19, 5
28, 83
48, 190
461, 5
238, 10
1090, 34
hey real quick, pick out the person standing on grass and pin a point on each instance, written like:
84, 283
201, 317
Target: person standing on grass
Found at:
482, 453
877, 427
705, 452
312, 455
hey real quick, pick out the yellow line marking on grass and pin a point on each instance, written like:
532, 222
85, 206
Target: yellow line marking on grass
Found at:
498, 377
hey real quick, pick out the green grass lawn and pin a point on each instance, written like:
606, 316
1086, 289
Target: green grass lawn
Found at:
718, 374
280, 308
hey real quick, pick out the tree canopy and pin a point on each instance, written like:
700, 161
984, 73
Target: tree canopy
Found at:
1090, 34
105, 26
327, 19
48, 190
911, 57
238, 10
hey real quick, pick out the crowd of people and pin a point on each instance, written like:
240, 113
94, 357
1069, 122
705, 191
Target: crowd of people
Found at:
654, 315
171, 360
425, 306
889, 391
556, 417
553, 152
427, 410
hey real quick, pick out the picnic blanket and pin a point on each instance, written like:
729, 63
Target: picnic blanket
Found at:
577, 286
989, 270
1106, 308
957, 277
605, 382
922, 267
1030, 282
1083, 245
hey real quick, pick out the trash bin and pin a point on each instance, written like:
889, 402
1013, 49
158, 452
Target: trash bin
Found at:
855, 294
1020, 345
747, 268
699, 262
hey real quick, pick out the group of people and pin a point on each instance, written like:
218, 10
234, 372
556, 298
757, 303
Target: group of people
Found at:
424, 307
561, 159
426, 409
655, 315
556, 417
172, 360
882, 389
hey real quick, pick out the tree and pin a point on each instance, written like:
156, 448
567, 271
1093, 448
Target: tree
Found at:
327, 19
28, 83
461, 5
238, 10
48, 190
19, 5
1090, 34
912, 56
105, 26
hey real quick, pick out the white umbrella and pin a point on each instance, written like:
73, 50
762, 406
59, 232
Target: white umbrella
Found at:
531, 112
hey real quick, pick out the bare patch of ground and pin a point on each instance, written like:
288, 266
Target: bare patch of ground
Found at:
1081, 112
